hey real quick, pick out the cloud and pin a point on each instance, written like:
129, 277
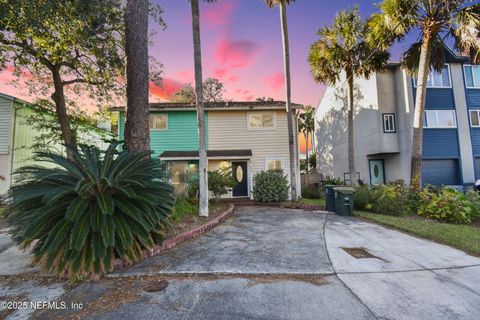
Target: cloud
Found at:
236, 53
244, 94
218, 14
276, 81
185, 76
166, 90
224, 75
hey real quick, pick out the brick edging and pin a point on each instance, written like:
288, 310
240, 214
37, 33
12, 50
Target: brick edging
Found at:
178, 239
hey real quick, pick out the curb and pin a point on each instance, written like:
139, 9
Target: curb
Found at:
119, 264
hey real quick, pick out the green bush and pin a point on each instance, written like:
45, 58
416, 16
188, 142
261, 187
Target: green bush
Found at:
270, 186
82, 213
220, 182
333, 181
448, 205
311, 194
183, 207
363, 198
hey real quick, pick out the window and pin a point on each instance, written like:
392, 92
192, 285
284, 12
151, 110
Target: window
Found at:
389, 123
439, 119
158, 121
261, 120
472, 76
438, 79
274, 164
475, 118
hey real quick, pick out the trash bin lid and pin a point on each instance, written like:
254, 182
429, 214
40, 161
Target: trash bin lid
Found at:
344, 190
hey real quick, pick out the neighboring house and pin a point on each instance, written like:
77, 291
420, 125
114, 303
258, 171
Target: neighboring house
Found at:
384, 126
17, 137
247, 136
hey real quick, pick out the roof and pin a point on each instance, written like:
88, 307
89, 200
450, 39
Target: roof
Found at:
210, 154
7, 96
218, 106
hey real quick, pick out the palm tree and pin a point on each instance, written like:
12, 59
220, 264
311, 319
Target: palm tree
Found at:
435, 20
290, 117
202, 139
307, 125
137, 136
342, 48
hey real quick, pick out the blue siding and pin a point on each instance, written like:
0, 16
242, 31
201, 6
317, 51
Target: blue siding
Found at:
439, 99
475, 134
473, 97
440, 144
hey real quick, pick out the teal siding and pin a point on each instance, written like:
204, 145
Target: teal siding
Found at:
181, 135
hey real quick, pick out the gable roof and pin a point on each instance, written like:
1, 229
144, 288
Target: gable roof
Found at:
218, 106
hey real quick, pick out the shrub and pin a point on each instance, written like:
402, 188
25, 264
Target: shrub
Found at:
311, 194
391, 199
448, 205
363, 198
270, 186
333, 181
83, 212
183, 207
220, 182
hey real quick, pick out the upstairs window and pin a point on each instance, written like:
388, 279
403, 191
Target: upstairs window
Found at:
439, 119
475, 118
389, 123
261, 120
472, 76
438, 79
158, 121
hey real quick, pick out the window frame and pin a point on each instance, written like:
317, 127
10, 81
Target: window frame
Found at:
436, 118
415, 81
281, 159
274, 119
392, 115
158, 114
473, 78
477, 111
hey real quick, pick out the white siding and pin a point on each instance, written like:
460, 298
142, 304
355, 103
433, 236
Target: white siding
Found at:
227, 130
5, 124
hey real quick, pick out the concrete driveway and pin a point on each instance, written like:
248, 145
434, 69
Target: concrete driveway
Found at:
270, 263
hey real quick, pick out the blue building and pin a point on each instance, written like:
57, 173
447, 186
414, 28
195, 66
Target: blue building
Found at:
383, 125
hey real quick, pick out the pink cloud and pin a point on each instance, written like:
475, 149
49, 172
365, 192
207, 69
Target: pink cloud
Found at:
236, 53
224, 75
185, 76
166, 90
215, 15
276, 81
244, 94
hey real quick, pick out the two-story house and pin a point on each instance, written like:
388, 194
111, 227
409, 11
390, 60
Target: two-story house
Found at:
383, 125
247, 136
18, 137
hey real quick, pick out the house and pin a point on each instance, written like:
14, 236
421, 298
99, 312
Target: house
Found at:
247, 136
383, 126
18, 137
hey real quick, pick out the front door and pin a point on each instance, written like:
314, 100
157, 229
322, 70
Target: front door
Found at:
239, 172
377, 172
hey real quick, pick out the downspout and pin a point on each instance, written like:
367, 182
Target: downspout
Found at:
14, 126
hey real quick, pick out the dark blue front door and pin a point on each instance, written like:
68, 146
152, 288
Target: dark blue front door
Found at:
239, 172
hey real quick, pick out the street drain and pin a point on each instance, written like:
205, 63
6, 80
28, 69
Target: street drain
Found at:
156, 287
359, 253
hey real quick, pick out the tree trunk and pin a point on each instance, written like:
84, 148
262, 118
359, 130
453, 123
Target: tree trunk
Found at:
202, 144
351, 135
306, 135
58, 97
137, 135
290, 117
417, 142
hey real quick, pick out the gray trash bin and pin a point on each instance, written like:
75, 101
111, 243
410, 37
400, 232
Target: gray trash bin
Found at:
330, 197
344, 201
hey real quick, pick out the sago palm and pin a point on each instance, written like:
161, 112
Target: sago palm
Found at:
342, 49
434, 20
307, 125
81, 213
288, 93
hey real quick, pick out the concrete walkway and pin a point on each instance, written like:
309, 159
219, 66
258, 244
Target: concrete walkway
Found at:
270, 263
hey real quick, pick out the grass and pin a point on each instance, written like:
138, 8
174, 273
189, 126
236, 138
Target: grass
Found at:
463, 237
316, 202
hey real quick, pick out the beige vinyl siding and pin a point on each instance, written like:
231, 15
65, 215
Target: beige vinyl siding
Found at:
228, 131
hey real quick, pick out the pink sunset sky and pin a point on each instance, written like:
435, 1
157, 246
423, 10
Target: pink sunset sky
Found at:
241, 43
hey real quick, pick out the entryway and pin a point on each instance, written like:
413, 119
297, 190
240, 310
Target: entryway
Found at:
377, 172
240, 175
